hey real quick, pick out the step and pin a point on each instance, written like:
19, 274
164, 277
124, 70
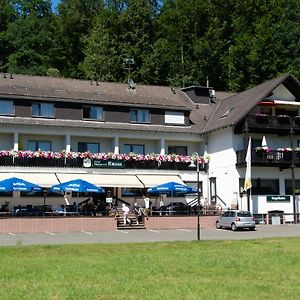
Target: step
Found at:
127, 227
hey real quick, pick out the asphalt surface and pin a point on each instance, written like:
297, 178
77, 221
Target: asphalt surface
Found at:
140, 236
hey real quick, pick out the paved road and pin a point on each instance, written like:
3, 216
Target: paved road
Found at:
137, 236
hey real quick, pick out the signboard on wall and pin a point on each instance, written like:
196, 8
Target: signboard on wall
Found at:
108, 164
278, 198
88, 163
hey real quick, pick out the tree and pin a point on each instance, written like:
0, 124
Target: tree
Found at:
123, 31
30, 38
74, 23
7, 15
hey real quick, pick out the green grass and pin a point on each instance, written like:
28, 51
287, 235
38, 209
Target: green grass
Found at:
256, 269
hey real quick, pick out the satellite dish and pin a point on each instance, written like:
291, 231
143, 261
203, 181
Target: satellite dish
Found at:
131, 83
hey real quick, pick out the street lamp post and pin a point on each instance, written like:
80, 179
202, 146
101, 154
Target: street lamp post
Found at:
192, 165
44, 195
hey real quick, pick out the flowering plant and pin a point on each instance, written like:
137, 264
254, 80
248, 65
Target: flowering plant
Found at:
103, 156
261, 115
287, 149
264, 148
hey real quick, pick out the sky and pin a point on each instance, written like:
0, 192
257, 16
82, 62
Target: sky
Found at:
54, 4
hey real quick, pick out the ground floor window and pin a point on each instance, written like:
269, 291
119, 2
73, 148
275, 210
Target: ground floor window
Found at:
130, 192
6, 194
288, 187
193, 184
263, 186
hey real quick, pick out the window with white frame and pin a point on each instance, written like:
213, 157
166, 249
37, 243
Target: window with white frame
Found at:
92, 113
134, 148
174, 117
88, 147
34, 145
43, 110
6, 107
139, 116
179, 150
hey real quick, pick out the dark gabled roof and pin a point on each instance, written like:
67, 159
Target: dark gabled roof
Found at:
201, 112
232, 109
92, 92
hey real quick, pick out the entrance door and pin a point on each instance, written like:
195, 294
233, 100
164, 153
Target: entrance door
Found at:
213, 190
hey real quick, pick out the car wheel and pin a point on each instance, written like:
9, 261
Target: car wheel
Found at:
218, 225
233, 227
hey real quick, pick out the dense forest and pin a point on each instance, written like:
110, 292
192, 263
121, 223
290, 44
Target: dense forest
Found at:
234, 43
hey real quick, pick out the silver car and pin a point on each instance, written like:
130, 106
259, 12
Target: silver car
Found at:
236, 219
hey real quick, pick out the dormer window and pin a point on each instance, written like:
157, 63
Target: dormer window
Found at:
92, 113
45, 110
139, 116
6, 107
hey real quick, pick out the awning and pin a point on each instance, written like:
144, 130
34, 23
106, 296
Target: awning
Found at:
42, 179
292, 103
152, 180
104, 180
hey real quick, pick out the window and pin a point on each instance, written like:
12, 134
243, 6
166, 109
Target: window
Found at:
179, 150
140, 116
43, 110
92, 112
174, 117
39, 145
135, 148
193, 184
130, 192
226, 114
263, 186
6, 107
255, 143
288, 187
88, 147
6, 194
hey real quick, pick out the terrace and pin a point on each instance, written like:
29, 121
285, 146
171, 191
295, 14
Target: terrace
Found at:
100, 160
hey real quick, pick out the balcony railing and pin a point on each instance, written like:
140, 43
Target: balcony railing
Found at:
281, 159
268, 123
39, 162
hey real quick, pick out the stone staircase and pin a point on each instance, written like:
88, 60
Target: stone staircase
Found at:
133, 221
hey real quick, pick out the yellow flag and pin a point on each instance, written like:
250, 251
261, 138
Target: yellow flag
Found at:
247, 183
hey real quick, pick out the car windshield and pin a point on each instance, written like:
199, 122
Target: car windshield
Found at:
244, 214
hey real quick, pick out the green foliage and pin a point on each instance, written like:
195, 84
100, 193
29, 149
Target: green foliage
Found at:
249, 269
74, 24
235, 44
53, 72
30, 40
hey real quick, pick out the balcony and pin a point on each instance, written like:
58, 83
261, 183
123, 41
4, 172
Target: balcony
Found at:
280, 124
281, 159
103, 161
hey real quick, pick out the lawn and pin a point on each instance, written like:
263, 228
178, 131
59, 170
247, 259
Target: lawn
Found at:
253, 269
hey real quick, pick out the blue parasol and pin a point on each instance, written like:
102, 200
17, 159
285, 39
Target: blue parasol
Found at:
77, 185
18, 184
172, 188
